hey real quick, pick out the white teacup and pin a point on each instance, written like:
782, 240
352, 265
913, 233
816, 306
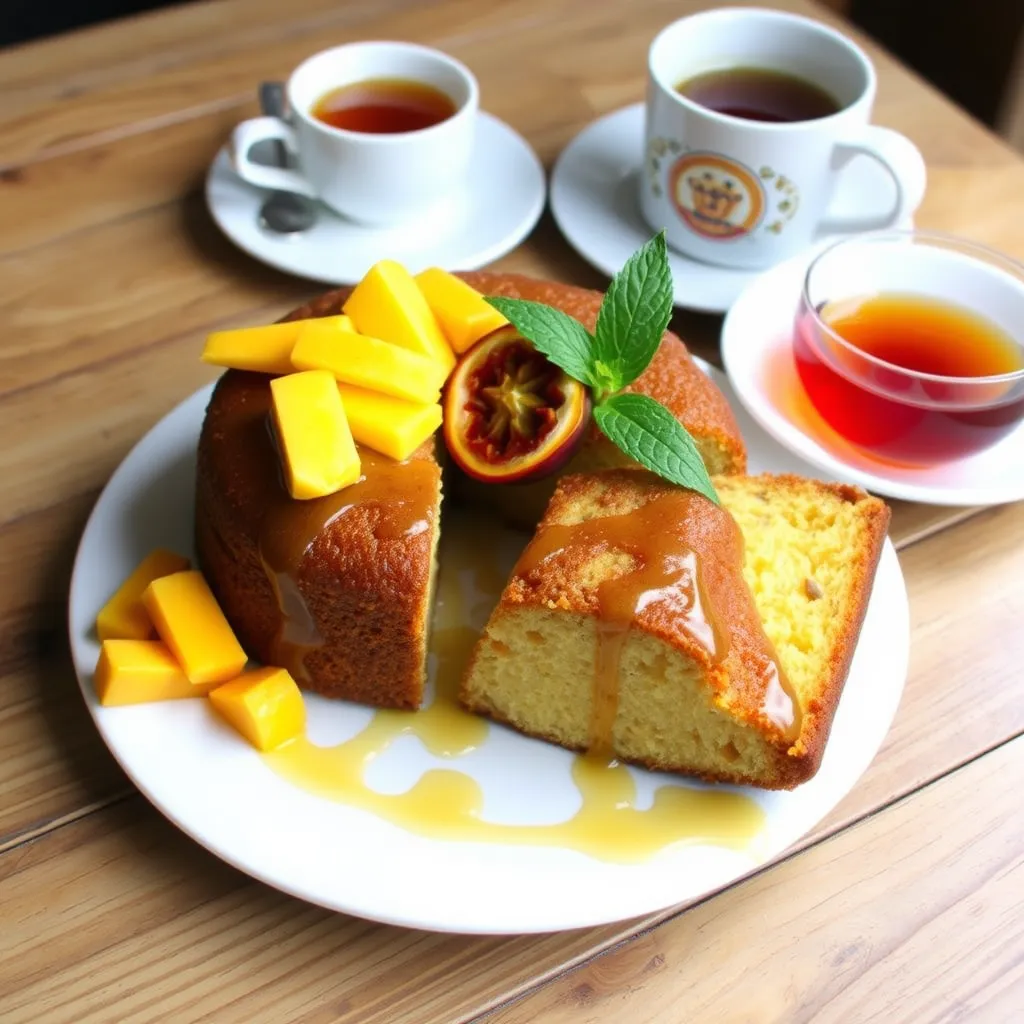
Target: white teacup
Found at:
371, 178
749, 193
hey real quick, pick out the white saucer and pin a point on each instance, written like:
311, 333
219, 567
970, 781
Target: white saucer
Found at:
594, 202
502, 201
756, 351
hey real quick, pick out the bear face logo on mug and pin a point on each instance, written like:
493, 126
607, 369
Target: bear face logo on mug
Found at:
717, 197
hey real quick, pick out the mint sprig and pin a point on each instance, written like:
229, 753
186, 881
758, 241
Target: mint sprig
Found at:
633, 317
634, 314
644, 429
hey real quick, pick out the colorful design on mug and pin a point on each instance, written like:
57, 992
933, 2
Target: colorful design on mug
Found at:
717, 197
657, 149
786, 203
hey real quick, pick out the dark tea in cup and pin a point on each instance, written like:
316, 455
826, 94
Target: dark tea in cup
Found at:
384, 106
758, 94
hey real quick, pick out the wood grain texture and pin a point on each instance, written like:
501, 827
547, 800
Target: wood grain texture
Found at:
912, 915
964, 580
111, 272
217, 78
67, 66
129, 151
119, 915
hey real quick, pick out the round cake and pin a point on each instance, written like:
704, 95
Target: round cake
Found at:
339, 590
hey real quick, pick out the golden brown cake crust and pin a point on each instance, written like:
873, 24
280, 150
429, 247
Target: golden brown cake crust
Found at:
381, 626
366, 590
564, 582
561, 580
873, 516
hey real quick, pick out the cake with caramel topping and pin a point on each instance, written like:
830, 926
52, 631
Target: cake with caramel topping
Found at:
339, 589
644, 622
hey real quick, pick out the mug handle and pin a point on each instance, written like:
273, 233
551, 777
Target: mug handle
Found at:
260, 129
902, 159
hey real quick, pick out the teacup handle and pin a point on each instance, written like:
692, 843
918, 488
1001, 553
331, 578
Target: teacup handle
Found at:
260, 129
902, 159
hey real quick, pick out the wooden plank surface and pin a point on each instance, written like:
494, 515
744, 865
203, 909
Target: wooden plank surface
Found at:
111, 272
912, 915
115, 351
144, 141
129, 881
40, 709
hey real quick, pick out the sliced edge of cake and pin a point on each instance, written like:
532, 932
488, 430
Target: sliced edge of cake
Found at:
733, 647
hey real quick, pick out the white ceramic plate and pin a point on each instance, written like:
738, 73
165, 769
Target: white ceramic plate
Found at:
756, 350
221, 792
501, 203
594, 202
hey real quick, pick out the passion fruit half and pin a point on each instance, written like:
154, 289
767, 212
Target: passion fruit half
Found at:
510, 414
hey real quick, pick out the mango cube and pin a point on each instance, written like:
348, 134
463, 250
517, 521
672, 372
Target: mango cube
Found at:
124, 617
262, 349
264, 705
388, 425
369, 363
388, 304
139, 671
319, 454
463, 313
189, 620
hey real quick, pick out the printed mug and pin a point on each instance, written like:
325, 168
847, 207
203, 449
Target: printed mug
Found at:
749, 193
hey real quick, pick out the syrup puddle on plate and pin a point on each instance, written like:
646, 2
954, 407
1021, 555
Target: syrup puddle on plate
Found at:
446, 803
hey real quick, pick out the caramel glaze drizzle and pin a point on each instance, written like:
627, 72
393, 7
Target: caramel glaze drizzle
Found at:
401, 495
686, 574
403, 492
447, 803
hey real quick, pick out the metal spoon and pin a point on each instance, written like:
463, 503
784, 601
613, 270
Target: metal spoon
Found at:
284, 213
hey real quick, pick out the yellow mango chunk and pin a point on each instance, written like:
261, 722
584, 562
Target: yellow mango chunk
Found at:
189, 620
124, 616
140, 671
464, 315
320, 456
369, 363
265, 349
388, 425
388, 304
264, 705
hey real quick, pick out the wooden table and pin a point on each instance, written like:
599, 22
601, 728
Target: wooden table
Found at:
905, 904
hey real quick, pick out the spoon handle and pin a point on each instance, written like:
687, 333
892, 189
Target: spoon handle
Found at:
274, 104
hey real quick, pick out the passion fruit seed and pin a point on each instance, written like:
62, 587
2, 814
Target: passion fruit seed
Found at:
512, 402
510, 413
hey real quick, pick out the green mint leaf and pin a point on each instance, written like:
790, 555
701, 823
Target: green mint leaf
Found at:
565, 341
635, 313
647, 432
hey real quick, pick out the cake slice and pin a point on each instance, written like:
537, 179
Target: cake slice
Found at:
646, 623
